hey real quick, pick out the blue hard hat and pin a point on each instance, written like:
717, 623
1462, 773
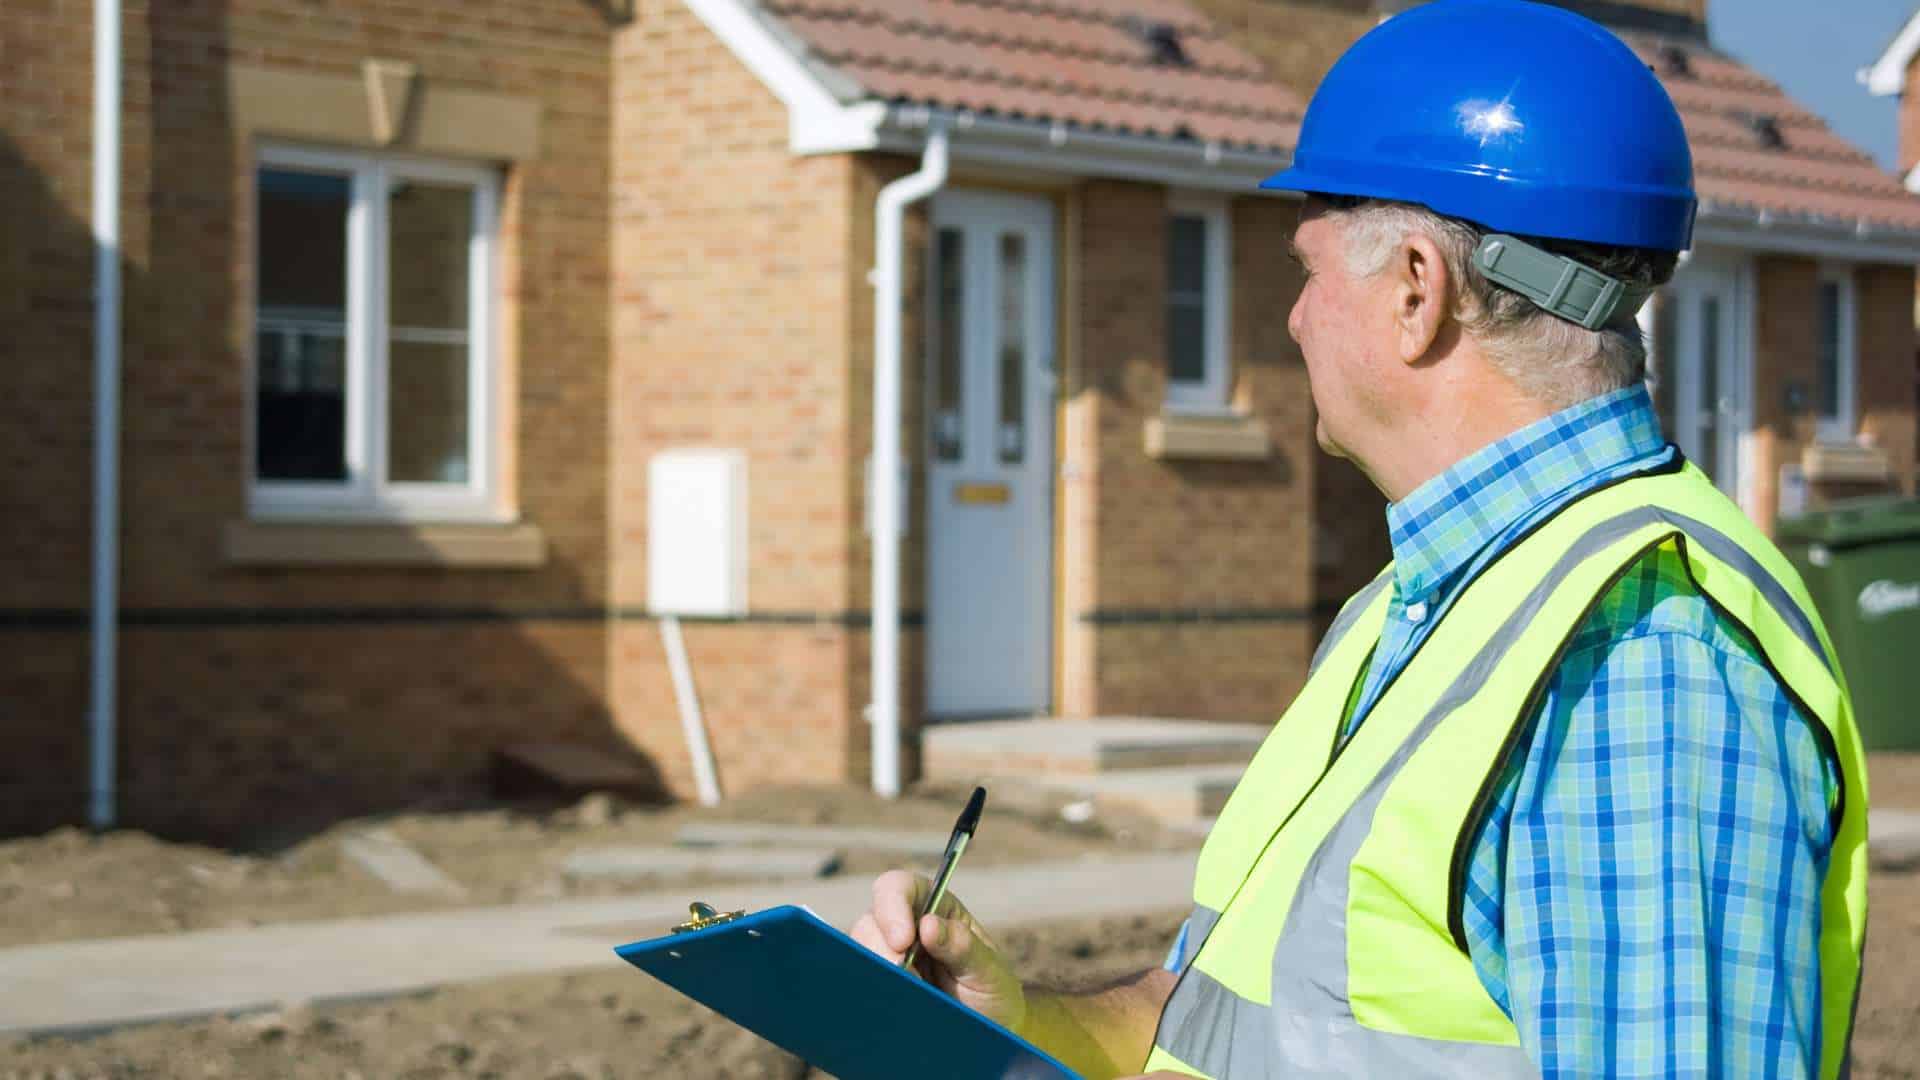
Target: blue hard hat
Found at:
1516, 116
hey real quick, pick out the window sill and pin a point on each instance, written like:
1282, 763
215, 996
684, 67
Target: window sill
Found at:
519, 546
1845, 462
1188, 436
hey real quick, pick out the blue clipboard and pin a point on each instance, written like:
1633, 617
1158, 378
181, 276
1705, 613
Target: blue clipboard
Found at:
825, 998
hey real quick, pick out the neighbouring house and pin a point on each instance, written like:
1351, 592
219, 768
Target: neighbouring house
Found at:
1894, 74
433, 313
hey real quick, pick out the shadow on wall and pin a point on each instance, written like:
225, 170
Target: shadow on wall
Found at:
255, 706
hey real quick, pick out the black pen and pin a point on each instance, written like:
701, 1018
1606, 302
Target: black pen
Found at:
956, 844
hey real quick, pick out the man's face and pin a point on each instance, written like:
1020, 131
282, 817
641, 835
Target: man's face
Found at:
1343, 325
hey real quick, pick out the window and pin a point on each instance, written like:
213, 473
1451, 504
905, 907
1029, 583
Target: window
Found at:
374, 361
1197, 283
1833, 380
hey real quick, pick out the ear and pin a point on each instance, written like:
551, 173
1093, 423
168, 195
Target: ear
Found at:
1422, 292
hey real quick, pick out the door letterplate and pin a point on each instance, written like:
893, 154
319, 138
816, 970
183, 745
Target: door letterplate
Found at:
981, 494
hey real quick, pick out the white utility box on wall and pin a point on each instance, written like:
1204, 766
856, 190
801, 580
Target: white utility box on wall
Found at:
697, 533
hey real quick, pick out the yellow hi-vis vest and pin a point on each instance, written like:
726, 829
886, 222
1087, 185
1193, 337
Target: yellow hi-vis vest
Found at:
1326, 937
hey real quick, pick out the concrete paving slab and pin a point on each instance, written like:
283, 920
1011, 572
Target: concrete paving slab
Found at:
1031, 747
89, 986
387, 857
629, 863
837, 837
1893, 839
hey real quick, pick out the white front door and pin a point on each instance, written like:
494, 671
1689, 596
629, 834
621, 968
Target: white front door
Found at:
1708, 356
989, 454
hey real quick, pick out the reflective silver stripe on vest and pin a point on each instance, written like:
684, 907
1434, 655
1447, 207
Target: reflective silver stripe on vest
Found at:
1344, 621
1309, 1029
1199, 925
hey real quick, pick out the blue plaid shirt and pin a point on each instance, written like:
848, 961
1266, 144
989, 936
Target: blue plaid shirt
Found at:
1644, 898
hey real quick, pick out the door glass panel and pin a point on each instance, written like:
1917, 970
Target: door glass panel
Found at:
949, 280
1829, 388
1663, 367
1013, 347
300, 334
430, 230
1709, 376
1186, 298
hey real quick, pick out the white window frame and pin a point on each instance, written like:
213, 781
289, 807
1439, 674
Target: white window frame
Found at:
367, 495
1210, 395
1840, 428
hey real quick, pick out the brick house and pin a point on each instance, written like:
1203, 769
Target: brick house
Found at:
419, 296
1894, 74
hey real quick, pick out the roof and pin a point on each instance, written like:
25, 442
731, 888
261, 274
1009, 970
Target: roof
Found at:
1758, 152
1887, 76
1154, 68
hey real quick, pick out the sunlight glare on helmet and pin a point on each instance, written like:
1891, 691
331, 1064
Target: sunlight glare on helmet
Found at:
1490, 120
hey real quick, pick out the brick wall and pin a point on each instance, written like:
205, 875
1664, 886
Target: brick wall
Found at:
1886, 387
223, 672
1202, 595
1910, 120
733, 327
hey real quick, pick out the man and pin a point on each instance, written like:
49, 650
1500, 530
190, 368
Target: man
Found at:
1573, 788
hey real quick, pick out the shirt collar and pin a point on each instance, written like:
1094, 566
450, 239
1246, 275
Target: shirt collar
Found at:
1439, 528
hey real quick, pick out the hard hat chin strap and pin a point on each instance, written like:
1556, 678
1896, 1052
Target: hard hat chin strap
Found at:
1558, 285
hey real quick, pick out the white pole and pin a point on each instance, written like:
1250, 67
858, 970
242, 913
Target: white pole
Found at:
106, 402
884, 487
705, 776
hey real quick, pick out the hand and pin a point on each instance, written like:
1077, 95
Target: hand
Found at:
956, 953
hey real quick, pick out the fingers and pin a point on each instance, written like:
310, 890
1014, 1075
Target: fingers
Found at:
867, 932
954, 943
897, 896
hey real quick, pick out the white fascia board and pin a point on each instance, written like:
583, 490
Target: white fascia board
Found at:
817, 121
1888, 75
1755, 233
1911, 181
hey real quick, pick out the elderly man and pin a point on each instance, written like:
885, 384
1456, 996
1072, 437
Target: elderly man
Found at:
1573, 787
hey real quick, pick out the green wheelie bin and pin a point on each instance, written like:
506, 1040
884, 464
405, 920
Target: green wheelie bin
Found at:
1861, 562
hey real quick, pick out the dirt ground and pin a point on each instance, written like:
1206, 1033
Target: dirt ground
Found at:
70, 884
619, 1023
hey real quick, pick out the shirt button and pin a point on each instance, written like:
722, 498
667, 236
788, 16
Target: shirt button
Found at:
1417, 611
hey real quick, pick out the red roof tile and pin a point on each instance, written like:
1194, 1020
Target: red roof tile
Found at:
1078, 61
1813, 174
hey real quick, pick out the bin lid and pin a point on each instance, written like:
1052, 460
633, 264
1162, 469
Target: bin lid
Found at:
1855, 522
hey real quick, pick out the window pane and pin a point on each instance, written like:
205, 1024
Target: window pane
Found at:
428, 383
1187, 299
1827, 377
1187, 255
1186, 343
301, 325
949, 282
1013, 347
430, 229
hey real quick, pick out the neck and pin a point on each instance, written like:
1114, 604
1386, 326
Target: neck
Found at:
1463, 416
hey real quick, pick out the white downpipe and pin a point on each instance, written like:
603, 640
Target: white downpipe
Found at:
705, 775
884, 488
106, 403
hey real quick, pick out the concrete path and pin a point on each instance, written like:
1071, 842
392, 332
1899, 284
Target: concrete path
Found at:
87, 986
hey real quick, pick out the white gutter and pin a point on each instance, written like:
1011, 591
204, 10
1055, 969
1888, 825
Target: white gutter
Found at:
883, 492
106, 403
1720, 225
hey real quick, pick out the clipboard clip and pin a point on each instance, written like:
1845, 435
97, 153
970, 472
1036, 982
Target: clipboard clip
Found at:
704, 916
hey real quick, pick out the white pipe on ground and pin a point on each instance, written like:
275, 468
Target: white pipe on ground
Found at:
705, 775
883, 487
106, 406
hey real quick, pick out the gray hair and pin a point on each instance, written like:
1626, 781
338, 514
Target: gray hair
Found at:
1548, 358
